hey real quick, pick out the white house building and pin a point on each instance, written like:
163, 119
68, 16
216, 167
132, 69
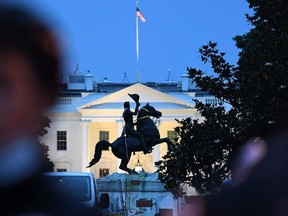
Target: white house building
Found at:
86, 112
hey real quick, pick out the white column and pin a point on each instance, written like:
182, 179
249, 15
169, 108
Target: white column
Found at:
156, 151
85, 149
156, 155
120, 124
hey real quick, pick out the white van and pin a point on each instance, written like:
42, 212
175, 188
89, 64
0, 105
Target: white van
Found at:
80, 186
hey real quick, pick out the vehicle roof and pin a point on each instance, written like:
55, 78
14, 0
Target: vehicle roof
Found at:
67, 174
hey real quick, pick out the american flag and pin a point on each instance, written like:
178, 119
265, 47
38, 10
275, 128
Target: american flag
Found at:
139, 14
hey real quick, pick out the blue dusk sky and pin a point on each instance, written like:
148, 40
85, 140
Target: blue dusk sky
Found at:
100, 35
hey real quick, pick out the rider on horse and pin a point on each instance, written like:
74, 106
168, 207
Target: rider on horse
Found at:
123, 147
129, 125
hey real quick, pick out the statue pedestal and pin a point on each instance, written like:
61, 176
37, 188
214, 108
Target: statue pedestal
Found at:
141, 194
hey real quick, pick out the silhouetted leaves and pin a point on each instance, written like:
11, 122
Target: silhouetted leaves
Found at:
40, 131
256, 91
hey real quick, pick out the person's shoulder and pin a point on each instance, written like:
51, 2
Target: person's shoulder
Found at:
127, 110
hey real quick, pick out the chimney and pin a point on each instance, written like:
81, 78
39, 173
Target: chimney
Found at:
185, 81
89, 81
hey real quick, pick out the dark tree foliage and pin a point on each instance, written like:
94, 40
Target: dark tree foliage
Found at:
256, 91
40, 131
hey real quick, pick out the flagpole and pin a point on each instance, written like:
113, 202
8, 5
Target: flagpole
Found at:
137, 45
137, 50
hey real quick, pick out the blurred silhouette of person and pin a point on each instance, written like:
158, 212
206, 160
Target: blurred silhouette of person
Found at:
29, 69
226, 185
249, 156
260, 186
247, 160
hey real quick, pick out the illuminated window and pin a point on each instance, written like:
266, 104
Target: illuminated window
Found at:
61, 140
61, 170
104, 135
103, 172
171, 134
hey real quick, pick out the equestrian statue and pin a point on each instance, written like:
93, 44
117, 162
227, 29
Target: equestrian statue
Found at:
143, 139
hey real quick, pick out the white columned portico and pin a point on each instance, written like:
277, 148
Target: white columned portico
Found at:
120, 125
85, 151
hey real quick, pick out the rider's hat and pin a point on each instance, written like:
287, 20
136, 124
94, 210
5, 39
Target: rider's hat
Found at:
135, 97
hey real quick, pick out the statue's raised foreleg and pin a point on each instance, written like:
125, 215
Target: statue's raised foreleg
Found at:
170, 145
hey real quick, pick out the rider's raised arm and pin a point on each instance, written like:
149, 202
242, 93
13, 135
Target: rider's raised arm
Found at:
136, 110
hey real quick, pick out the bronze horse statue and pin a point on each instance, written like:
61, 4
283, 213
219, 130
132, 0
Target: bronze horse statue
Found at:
123, 146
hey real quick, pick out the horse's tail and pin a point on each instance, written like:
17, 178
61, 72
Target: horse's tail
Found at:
98, 151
